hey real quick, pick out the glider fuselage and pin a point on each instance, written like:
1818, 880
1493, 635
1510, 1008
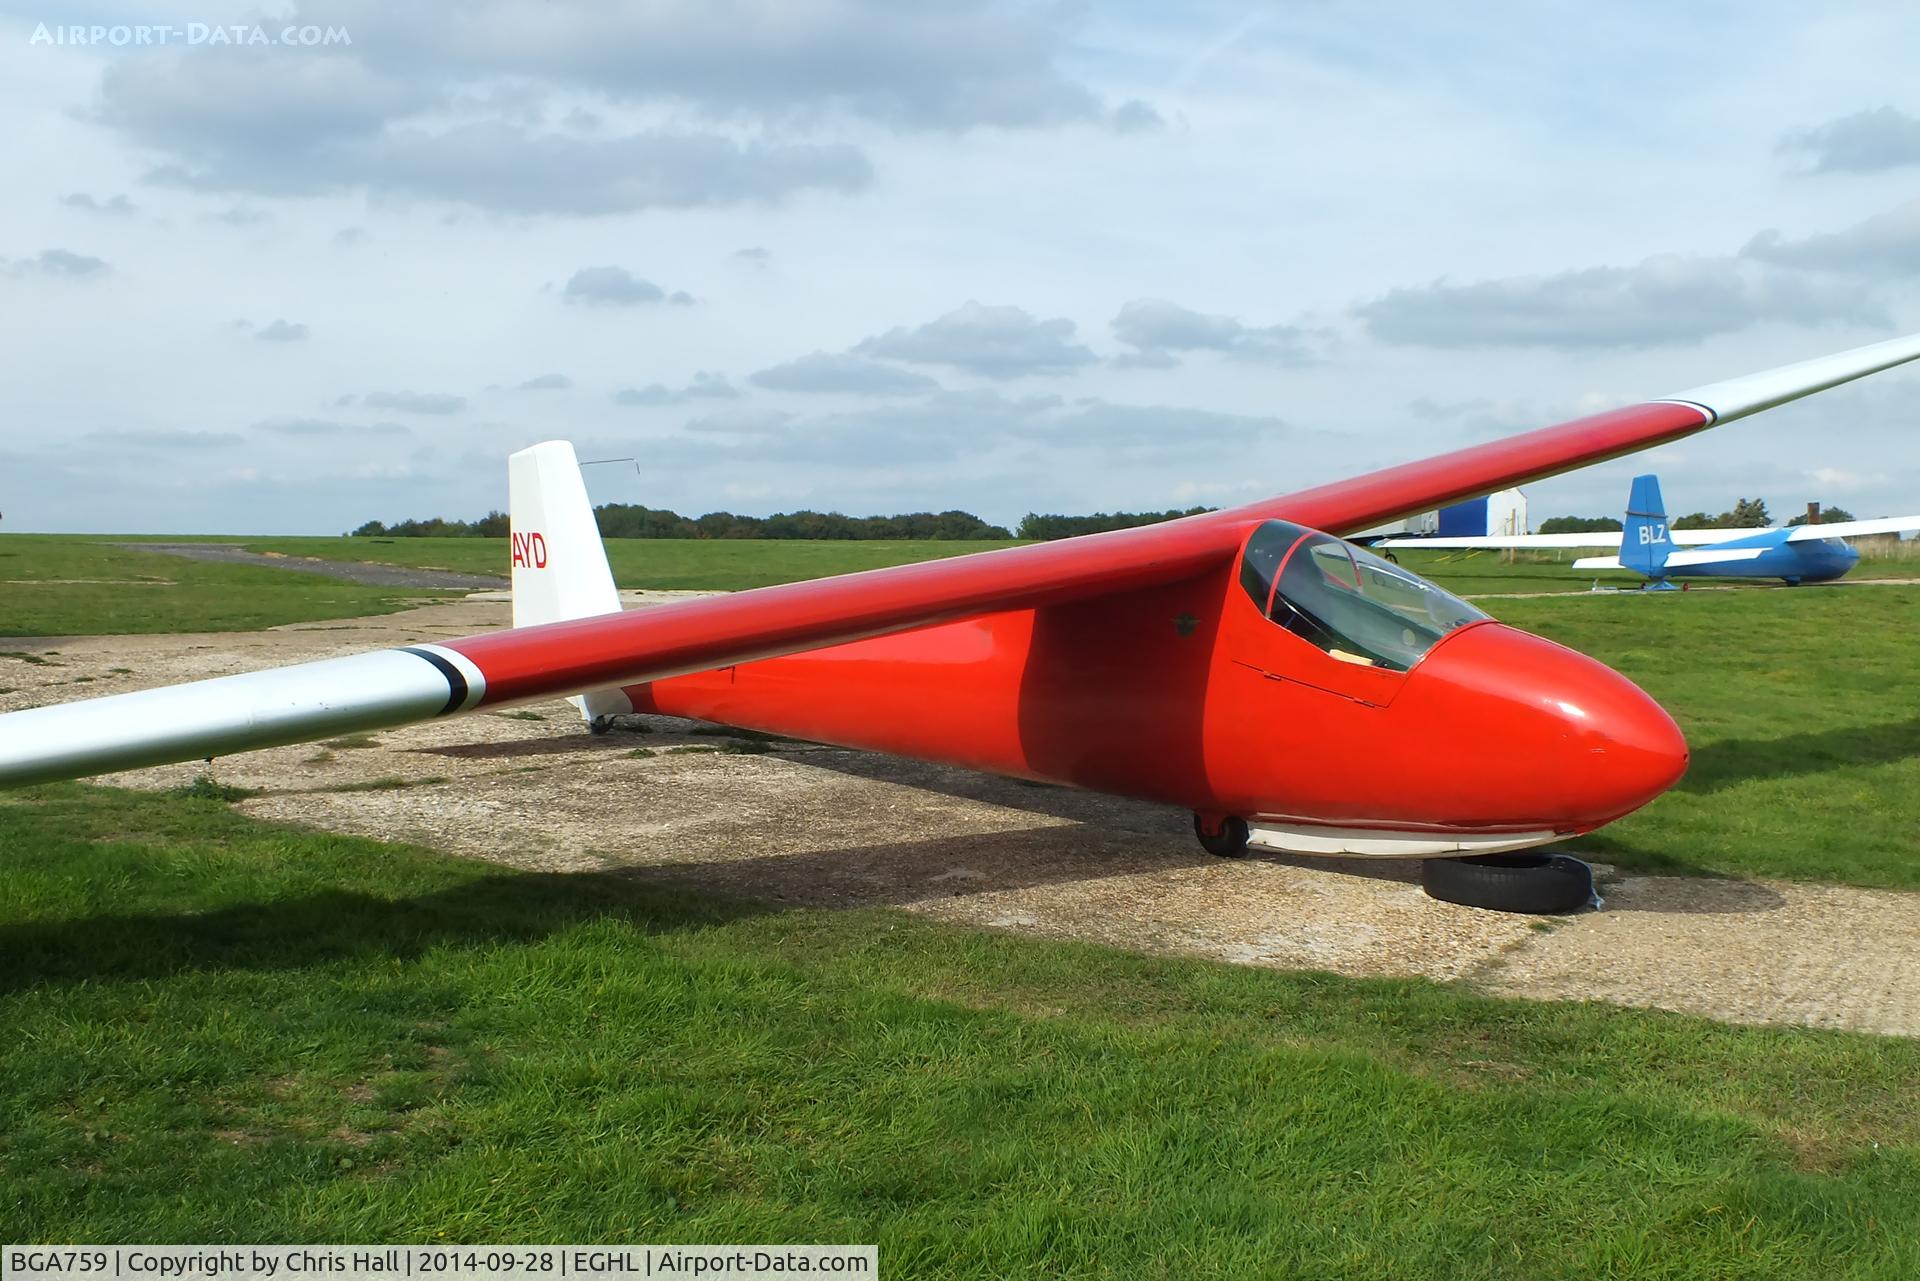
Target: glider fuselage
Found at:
1816, 560
1190, 694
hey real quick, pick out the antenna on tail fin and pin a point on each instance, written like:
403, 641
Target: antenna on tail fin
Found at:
560, 569
1645, 540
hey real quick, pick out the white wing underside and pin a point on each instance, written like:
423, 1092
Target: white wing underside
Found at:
1679, 560
1855, 528
1600, 538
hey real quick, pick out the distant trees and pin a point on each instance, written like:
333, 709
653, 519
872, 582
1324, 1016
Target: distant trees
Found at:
1747, 513
630, 520
1828, 516
491, 525
1579, 525
1035, 525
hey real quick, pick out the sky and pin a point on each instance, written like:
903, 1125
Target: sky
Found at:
287, 269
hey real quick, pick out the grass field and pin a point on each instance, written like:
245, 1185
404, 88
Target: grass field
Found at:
54, 585
214, 1028
219, 1029
1803, 712
49, 584
661, 564
734, 564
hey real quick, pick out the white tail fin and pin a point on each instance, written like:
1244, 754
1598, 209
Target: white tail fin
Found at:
560, 566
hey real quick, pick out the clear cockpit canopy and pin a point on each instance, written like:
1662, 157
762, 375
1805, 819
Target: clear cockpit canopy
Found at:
1344, 599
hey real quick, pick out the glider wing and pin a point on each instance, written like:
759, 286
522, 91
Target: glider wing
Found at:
1855, 528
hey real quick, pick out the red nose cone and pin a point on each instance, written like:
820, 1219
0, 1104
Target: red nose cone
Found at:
1556, 738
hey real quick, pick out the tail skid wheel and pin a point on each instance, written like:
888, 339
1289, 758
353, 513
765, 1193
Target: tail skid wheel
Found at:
1534, 883
1222, 837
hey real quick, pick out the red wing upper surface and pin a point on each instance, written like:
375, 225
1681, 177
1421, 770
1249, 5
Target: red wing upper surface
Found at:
716, 631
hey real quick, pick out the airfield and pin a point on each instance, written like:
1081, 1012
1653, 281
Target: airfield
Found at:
1772, 905
806, 824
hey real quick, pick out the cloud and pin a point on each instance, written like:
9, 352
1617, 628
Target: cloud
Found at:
325, 428
168, 440
485, 111
741, 422
705, 386
1135, 116
1664, 300
954, 424
852, 375
948, 66
310, 124
755, 255
348, 237
118, 206
59, 263
415, 402
546, 382
1884, 245
1860, 143
618, 287
282, 331
241, 216
996, 342
1155, 328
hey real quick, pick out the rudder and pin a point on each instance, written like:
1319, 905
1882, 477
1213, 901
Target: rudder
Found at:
560, 569
1645, 540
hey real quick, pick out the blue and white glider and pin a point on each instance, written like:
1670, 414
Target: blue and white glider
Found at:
1796, 554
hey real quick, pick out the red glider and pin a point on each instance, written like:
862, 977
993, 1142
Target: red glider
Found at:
1234, 664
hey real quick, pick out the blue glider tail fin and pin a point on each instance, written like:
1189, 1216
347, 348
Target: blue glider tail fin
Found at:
1645, 541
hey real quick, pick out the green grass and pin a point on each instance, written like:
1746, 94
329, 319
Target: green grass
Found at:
224, 1030
1800, 709
53, 585
656, 563
734, 564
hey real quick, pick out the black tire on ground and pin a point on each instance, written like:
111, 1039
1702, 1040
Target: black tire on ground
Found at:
1229, 842
1539, 884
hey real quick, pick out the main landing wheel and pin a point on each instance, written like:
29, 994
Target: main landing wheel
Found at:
1538, 884
1222, 837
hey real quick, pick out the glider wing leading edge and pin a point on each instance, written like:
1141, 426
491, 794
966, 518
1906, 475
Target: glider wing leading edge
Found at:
583, 655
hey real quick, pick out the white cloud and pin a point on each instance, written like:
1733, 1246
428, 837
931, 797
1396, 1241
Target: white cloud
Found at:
1887, 244
847, 374
705, 386
282, 331
1667, 299
1883, 138
415, 402
617, 287
1155, 329
60, 264
995, 342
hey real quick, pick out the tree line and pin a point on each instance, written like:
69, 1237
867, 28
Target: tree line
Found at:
630, 520
1747, 513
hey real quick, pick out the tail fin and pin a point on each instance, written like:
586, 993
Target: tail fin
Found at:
560, 566
1645, 541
